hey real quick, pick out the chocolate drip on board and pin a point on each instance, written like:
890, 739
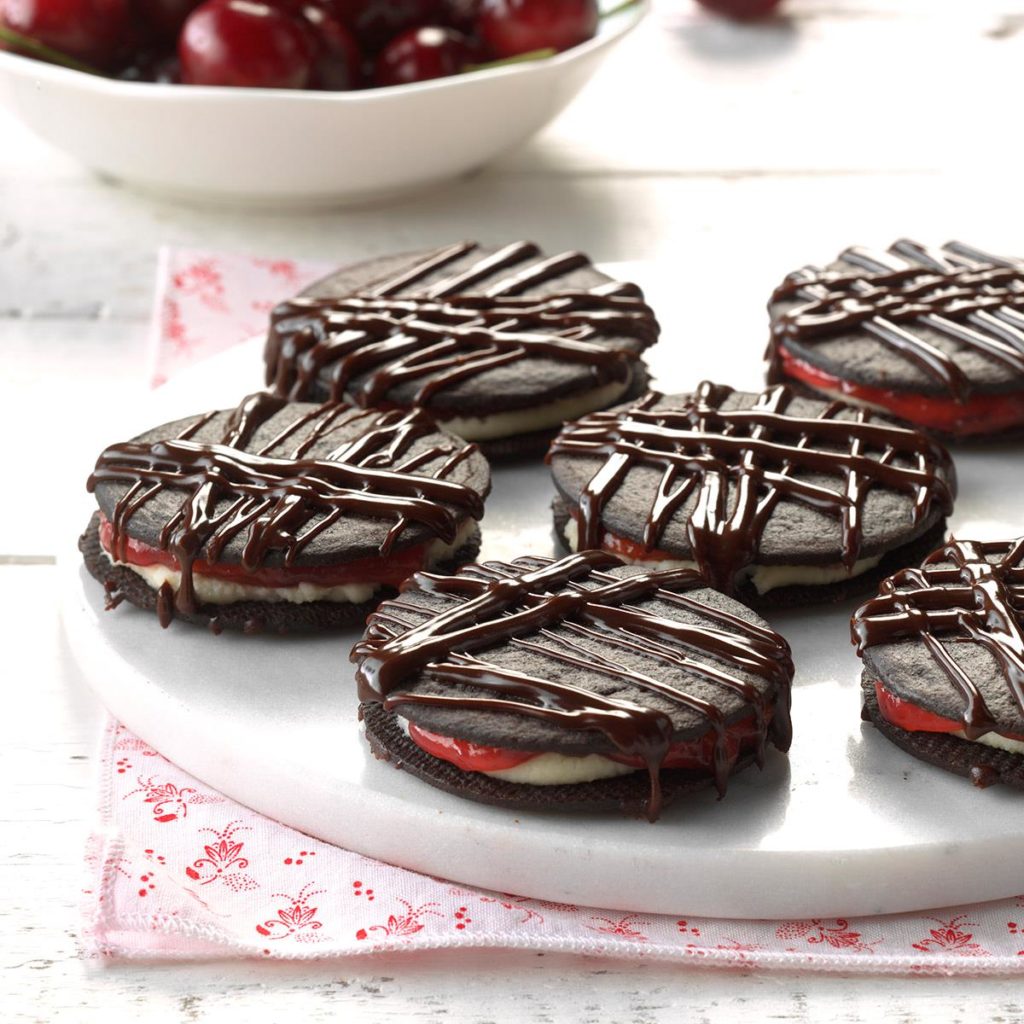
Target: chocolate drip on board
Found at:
523, 602
702, 449
970, 297
397, 332
964, 591
282, 503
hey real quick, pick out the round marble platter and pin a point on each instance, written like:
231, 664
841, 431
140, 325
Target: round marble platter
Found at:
846, 825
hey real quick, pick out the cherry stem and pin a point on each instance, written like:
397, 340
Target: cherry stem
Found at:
519, 58
43, 52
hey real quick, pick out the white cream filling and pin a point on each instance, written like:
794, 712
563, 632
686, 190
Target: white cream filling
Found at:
210, 590
551, 769
994, 739
764, 577
847, 397
526, 421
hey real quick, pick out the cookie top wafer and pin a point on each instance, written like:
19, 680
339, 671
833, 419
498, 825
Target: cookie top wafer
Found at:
728, 479
934, 321
460, 329
948, 637
578, 656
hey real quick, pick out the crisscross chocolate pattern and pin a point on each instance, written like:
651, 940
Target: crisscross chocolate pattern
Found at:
739, 464
281, 503
436, 336
572, 613
971, 297
966, 591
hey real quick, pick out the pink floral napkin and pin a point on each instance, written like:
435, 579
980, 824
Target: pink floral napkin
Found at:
208, 301
180, 871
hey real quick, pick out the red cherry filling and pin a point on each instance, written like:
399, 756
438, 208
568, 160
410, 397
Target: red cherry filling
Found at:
245, 43
695, 755
630, 550
510, 27
911, 718
470, 757
421, 54
986, 414
392, 570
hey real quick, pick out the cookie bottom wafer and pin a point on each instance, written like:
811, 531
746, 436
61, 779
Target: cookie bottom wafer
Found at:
803, 595
983, 765
121, 583
629, 793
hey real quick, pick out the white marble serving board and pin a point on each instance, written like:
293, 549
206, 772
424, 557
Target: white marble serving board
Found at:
846, 825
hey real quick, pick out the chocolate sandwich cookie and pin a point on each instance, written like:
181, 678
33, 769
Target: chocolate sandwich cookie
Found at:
501, 346
775, 498
281, 516
934, 337
579, 684
943, 653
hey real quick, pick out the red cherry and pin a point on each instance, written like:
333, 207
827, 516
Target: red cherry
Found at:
246, 43
374, 22
338, 61
423, 53
90, 30
511, 27
147, 66
741, 10
460, 14
165, 17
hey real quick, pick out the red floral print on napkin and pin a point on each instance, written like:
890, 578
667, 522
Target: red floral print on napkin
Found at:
206, 302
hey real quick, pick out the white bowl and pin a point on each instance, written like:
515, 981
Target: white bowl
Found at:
280, 146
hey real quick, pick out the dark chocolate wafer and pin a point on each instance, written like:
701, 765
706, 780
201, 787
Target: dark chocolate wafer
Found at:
984, 766
579, 657
533, 447
282, 617
945, 643
495, 343
803, 595
627, 793
285, 503
769, 490
933, 335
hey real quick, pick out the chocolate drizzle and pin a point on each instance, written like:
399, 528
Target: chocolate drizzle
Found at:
360, 347
280, 504
972, 298
544, 607
736, 466
967, 591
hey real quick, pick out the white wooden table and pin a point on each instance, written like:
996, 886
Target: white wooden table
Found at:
701, 143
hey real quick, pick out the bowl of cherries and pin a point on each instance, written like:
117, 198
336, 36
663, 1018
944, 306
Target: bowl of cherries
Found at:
286, 102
